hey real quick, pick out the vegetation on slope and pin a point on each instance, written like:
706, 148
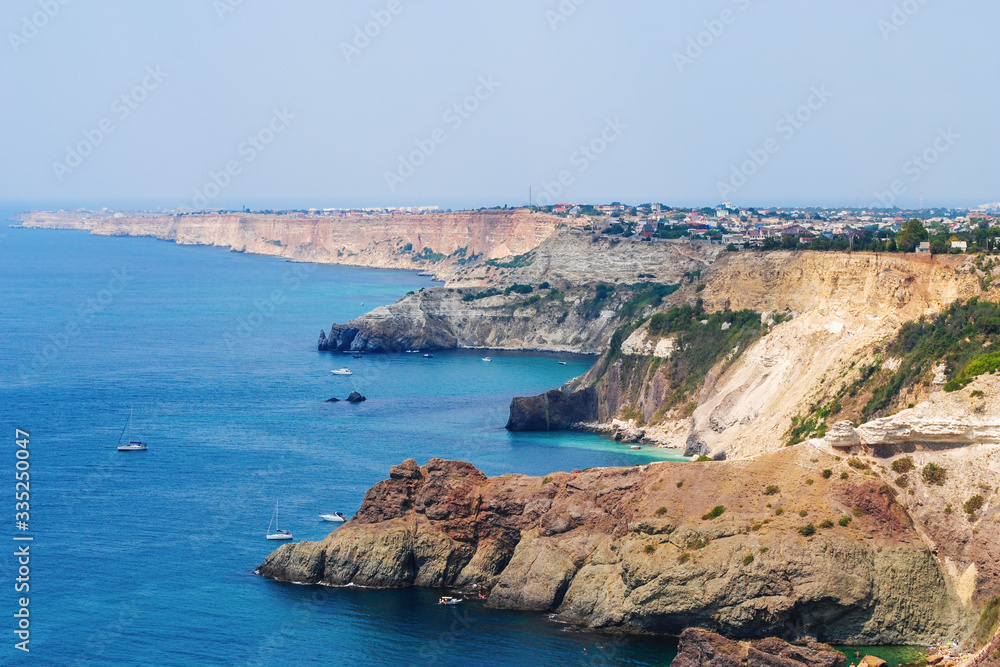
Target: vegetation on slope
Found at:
701, 341
965, 338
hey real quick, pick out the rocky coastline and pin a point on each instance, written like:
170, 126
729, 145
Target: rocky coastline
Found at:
654, 549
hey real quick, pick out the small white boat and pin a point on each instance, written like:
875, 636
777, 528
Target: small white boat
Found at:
635, 447
428, 356
337, 517
487, 359
130, 444
278, 533
448, 601
412, 351
342, 371
562, 363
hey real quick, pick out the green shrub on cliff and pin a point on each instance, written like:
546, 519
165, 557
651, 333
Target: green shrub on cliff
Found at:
934, 474
973, 504
713, 513
771, 490
903, 465
513, 263
807, 530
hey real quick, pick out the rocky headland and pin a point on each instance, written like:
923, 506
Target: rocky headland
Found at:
568, 295
769, 546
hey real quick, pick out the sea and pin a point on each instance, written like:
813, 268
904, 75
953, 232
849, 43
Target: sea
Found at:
147, 558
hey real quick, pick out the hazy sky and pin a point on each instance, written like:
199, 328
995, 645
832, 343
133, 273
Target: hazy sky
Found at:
679, 102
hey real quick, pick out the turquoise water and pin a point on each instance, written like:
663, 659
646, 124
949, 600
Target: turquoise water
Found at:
893, 655
148, 558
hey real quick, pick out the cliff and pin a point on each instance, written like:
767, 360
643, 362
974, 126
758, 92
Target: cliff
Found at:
641, 550
381, 241
824, 313
575, 290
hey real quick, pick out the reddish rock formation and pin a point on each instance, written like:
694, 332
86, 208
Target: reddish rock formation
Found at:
701, 648
633, 550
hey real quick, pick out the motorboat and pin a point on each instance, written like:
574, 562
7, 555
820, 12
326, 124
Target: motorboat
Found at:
336, 517
428, 356
447, 601
487, 359
342, 371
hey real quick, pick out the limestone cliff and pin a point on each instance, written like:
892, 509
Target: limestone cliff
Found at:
581, 289
654, 549
382, 241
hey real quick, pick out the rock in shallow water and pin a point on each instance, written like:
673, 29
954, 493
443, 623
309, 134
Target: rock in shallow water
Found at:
355, 397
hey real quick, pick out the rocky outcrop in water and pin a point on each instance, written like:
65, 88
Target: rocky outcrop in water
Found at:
640, 550
553, 410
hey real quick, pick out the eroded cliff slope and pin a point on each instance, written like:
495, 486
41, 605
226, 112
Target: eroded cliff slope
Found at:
822, 313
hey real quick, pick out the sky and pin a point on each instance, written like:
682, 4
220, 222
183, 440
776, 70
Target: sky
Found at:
268, 104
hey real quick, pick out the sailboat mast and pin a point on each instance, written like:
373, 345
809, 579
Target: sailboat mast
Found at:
129, 425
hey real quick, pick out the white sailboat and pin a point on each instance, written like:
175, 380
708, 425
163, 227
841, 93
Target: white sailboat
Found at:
278, 533
130, 444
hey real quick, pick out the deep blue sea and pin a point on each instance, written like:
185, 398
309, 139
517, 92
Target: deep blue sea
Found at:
147, 558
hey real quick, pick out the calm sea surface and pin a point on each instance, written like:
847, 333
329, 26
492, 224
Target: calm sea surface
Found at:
147, 558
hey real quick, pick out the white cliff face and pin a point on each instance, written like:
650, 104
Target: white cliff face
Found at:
641, 343
956, 418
